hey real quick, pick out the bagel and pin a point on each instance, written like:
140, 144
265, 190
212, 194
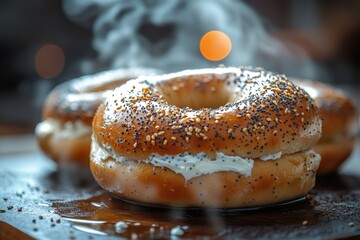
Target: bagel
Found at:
340, 124
64, 134
218, 138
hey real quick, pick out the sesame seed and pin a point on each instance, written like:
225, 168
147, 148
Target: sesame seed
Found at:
165, 142
148, 138
229, 130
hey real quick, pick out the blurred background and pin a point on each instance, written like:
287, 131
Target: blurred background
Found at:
46, 42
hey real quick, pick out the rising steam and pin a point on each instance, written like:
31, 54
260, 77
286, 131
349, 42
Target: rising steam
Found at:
165, 34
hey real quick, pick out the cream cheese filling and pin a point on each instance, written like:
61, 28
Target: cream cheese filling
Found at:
191, 166
271, 156
186, 164
62, 130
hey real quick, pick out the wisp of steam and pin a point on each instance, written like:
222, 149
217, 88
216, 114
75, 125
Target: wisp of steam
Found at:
165, 34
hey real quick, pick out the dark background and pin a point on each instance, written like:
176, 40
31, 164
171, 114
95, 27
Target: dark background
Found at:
26, 26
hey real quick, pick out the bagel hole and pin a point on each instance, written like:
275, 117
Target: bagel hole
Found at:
197, 93
198, 101
193, 103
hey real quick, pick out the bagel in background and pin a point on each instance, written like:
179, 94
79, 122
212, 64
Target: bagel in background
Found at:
340, 124
64, 134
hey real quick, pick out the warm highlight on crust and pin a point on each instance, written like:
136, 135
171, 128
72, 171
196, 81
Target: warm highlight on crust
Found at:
286, 178
265, 114
340, 124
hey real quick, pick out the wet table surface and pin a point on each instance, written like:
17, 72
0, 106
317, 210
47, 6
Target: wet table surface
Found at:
38, 201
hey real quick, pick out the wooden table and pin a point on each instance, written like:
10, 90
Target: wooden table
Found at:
37, 201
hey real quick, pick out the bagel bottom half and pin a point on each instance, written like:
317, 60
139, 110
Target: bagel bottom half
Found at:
334, 153
286, 178
67, 151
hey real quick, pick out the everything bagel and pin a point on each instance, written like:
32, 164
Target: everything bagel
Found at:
243, 135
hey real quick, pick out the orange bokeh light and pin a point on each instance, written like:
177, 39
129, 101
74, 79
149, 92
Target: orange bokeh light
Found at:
215, 45
49, 61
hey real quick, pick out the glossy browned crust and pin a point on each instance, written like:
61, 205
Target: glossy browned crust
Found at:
255, 113
57, 106
273, 181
